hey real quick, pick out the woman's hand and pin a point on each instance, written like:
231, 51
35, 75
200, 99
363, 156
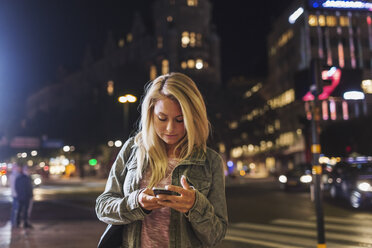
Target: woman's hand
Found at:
182, 203
147, 200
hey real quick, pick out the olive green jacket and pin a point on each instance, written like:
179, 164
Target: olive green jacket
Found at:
203, 226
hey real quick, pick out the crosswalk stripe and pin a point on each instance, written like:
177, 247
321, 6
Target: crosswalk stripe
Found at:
346, 220
296, 231
279, 239
336, 227
257, 242
367, 217
272, 237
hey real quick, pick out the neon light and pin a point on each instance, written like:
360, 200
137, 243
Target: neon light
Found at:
347, 4
335, 76
292, 18
328, 89
353, 95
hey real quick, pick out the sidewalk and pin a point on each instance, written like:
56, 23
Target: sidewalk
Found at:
54, 234
67, 234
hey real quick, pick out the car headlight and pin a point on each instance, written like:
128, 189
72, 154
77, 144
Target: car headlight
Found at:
37, 181
306, 179
364, 186
282, 179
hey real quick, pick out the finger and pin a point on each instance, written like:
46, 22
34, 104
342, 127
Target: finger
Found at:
177, 189
184, 182
163, 197
148, 191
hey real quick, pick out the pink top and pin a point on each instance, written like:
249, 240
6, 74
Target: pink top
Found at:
155, 226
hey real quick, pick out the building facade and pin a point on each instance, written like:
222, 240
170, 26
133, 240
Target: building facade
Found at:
337, 33
83, 103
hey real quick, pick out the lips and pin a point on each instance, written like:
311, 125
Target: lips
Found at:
170, 135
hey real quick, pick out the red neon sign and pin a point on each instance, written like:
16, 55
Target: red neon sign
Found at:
334, 75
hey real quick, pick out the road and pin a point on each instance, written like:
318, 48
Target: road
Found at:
260, 215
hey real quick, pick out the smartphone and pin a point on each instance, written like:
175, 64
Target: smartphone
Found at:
158, 191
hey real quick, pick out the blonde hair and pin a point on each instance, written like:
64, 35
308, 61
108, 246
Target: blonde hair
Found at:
150, 148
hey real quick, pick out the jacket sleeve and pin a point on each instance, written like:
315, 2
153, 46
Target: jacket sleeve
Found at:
208, 216
112, 207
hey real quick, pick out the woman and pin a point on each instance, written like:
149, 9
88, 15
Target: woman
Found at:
168, 151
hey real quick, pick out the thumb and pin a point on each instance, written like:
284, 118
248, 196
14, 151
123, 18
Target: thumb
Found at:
184, 183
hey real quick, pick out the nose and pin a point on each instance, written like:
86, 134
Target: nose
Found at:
170, 126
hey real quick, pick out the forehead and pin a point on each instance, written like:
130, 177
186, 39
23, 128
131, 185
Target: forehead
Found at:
167, 106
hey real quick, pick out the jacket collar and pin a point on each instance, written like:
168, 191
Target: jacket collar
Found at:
197, 157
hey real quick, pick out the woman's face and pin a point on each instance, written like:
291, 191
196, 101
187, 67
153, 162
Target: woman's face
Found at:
168, 122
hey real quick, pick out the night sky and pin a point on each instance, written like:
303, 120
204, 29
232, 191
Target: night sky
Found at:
39, 36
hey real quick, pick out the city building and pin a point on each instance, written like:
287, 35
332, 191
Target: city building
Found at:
181, 38
339, 35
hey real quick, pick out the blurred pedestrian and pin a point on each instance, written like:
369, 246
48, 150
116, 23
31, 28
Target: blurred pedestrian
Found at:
16, 171
24, 191
168, 151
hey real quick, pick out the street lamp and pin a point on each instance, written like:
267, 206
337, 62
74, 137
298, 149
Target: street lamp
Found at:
128, 98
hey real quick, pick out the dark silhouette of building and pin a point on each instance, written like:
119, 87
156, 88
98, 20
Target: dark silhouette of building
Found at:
82, 107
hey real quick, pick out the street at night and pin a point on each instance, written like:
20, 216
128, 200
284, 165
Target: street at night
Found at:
168, 99
260, 215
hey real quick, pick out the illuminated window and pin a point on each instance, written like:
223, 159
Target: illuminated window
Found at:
183, 65
344, 21
313, 20
325, 110
345, 110
277, 124
199, 64
110, 88
321, 20
284, 99
191, 63
153, 72
331, 21
165, 66
192, 2
185, 40
332, 108
192, 39
198, 40
341, 58
129, 37
160, 42
121, 43
285, 38
367, 86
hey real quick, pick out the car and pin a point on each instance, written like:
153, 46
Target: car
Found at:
297, 178
351, 180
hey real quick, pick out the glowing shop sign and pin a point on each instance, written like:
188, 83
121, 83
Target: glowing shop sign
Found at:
343, 4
